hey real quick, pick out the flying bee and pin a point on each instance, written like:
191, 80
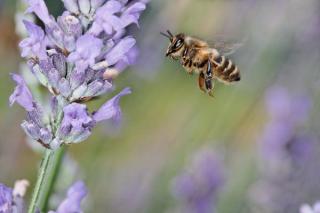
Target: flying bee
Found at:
209, 62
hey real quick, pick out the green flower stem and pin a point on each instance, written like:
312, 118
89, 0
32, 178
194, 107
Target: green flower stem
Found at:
48, 173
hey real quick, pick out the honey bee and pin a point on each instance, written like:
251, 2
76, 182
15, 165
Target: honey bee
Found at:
209, 62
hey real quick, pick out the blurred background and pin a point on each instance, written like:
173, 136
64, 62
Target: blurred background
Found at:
263, 130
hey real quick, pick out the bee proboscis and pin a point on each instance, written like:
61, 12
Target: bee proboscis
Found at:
210, 62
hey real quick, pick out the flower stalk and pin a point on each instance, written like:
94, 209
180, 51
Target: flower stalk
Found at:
48, 172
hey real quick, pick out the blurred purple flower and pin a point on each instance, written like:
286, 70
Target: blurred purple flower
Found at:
11, 200
198, 187
305, 208
6, 199
71, 204
288, 166
22, 94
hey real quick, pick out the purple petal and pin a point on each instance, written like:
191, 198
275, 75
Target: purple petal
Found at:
22, 94
119, 51
88, 48
40, 9
71, 5
6, 198
111, 108
72, 203
35, 44
132, 13
96, 3
105, 18
84, 6
76, 115
128, 59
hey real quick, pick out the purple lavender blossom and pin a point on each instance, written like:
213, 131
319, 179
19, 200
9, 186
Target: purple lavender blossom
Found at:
88, 48
290, 155
35, 44
71, 57
22, 94
11, 200
6, 198
111, 108
71, 204
305, 208
197, 188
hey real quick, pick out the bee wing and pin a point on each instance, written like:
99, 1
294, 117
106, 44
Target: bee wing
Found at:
225, 47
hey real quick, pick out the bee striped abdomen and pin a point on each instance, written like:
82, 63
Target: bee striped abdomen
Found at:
225, 69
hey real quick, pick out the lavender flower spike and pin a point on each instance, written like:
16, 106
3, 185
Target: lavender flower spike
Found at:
197, 188
75, 195
75, 57
22, 94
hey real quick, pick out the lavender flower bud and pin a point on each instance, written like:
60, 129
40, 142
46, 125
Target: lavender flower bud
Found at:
53, 77
45, 135
36, 70
79, 92
84, 6
94, 87
96, 3
77, 78
59, 62
71, 5
64, 87
31, 129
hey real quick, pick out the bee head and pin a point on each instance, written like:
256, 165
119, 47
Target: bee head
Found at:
176, 42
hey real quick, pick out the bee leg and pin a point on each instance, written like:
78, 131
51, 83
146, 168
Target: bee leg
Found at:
201, 82
208, 79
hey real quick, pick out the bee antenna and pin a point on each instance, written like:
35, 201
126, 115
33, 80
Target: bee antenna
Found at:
168, 31
168, 36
